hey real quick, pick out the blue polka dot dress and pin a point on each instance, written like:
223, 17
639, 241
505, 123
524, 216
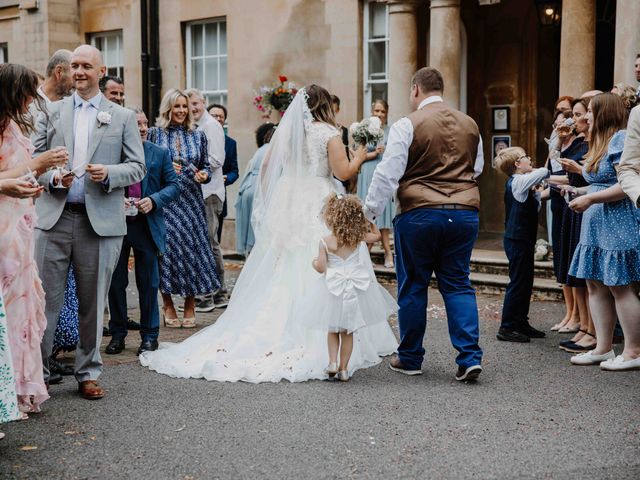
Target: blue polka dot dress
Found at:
66, 337
187, 268
609, 248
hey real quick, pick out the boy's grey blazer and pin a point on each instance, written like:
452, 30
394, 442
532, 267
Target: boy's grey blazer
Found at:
116, 145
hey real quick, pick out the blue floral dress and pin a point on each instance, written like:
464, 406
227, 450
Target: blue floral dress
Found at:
187, 268
66, 337
609, 248
8, 399
365, 177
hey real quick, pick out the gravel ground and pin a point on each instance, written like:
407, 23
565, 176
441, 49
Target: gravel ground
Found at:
531, 415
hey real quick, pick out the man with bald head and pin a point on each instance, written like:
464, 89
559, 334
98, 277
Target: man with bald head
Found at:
81, 212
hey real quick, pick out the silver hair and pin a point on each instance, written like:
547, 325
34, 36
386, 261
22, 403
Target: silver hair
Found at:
61, 57
194, 92
136, 110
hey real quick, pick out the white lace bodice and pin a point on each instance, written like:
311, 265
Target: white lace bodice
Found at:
316, 157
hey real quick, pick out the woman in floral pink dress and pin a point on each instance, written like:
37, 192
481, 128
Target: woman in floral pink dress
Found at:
21, 287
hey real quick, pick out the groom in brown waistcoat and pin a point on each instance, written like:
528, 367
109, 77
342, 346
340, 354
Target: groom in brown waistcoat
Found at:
432, 159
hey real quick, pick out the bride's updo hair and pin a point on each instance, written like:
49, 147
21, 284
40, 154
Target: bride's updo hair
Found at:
319, 103
345, 218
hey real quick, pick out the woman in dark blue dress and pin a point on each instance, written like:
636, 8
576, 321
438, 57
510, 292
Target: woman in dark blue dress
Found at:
572, 160
187, 268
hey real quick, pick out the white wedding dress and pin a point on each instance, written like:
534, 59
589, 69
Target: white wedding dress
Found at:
261, 337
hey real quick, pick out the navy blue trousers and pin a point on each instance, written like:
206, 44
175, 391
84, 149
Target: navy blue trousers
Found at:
145, 253
436, 240
515, 309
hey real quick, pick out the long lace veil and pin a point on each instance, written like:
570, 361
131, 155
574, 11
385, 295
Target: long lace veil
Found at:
284, 158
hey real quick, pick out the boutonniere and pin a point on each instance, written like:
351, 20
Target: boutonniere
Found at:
104, 118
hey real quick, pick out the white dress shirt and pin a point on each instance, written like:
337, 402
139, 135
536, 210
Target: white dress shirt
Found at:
215, 149
394, 163
522, 184
76, 190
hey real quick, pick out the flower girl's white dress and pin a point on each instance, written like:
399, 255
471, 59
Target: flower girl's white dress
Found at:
347, 296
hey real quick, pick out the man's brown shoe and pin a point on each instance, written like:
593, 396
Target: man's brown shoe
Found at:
90, 390
397, 366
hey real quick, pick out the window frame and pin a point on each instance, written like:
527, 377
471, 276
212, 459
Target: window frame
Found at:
4, 52
366, 41
211, 96
106, 36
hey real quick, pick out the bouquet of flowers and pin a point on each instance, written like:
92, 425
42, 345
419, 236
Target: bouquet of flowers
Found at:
276, 98
367, 132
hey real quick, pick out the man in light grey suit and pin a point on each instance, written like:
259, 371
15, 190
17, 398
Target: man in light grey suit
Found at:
81, 215
629, 169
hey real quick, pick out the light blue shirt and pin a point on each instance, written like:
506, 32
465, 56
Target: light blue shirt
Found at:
76, 189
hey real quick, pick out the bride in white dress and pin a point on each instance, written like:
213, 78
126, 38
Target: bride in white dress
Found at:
259, 338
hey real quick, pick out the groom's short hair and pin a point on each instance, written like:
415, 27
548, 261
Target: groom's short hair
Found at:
428, 79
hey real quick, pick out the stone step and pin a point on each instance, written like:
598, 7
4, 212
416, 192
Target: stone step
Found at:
489, 262
483, 282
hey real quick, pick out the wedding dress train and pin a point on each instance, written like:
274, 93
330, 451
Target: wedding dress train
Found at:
260, 337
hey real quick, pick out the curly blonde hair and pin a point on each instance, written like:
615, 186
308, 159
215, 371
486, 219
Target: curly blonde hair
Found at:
345, 218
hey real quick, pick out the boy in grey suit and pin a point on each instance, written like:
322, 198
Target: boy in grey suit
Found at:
81, 217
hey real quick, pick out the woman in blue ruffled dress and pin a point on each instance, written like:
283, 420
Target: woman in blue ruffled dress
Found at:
384, 222
245, 238
608, 255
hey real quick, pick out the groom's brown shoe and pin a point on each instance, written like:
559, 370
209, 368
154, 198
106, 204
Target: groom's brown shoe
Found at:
90, 390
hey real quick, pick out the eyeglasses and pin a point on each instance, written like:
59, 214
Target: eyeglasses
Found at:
524, 156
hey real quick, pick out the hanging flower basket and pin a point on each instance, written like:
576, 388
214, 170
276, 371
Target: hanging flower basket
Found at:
278, 97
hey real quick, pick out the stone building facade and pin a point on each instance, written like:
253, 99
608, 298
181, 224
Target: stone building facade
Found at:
499, 58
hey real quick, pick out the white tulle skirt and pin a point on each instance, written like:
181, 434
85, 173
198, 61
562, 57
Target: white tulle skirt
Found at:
261, 336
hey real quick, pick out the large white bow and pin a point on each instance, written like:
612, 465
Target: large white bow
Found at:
345, 284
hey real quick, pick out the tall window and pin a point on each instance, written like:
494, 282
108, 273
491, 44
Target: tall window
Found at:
376, 52
4, 53
110, 44
207, 59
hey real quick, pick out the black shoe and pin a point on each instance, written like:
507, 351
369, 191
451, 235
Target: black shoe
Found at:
531, 332
131, 325
105, 332
469, 374
54, 378
115, 347
575, 348
148, 346
512, 336
564, 343
55, 366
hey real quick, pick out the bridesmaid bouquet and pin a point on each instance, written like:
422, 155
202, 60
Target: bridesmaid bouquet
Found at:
367, 132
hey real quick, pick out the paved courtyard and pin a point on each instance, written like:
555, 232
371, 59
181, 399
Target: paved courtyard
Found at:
531, 415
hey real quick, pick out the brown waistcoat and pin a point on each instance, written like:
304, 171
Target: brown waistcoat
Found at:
441, 160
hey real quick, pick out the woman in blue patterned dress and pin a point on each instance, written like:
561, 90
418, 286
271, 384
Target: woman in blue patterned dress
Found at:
66, 336
187, 268
8, 399
384, 222
608, 255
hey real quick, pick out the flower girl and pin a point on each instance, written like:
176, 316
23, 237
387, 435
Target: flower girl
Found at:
347, 297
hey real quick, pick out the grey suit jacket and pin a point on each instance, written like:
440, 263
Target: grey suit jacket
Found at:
117, 145
629, 167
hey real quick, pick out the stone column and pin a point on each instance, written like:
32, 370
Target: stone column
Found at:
578, 47
627, 41
445, 48
403, 45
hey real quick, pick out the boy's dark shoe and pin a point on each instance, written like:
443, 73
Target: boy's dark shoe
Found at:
531, 332
512, 336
